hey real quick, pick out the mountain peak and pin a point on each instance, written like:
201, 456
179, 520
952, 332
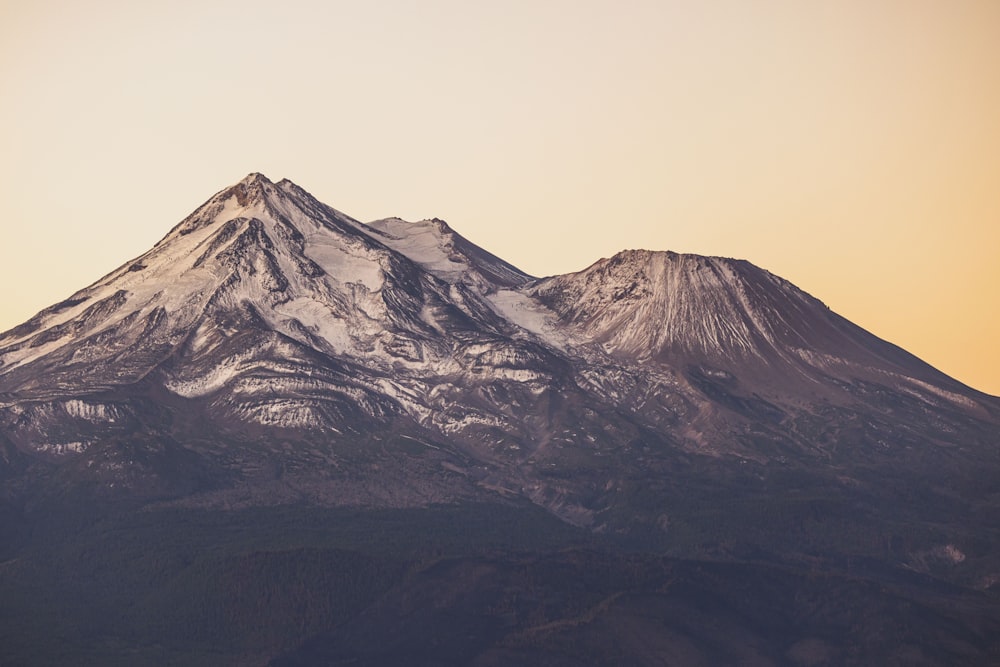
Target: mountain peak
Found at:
253, 196
255, 177
253, 188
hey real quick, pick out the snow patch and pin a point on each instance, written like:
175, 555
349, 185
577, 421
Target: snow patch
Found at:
94, 412
347, 263
944, 393
214, 378
63, 448
282, 413
425, 242
320, 319
530, 315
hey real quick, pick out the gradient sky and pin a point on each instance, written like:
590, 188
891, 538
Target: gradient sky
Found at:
852, 147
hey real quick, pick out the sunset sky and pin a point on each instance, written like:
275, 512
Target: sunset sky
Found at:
852, 147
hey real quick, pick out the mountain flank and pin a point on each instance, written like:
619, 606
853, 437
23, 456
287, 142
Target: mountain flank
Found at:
281, 395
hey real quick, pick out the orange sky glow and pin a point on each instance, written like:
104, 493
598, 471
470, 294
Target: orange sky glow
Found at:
851, 147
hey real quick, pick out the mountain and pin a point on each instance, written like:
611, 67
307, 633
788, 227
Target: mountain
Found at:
272, 352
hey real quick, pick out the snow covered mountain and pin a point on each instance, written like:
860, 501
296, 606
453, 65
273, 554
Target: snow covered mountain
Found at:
283, 436
271, 347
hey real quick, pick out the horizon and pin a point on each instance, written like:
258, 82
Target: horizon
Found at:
851, 150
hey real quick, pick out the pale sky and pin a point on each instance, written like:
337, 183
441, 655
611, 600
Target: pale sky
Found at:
852, 147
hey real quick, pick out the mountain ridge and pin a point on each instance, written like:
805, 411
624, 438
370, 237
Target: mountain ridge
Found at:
275, 312
284, 436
